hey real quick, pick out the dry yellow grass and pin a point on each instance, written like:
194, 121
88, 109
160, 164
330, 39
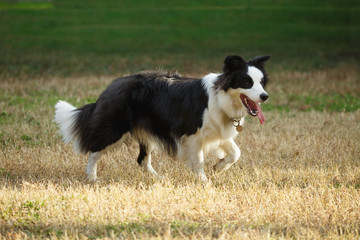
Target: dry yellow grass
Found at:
298, 176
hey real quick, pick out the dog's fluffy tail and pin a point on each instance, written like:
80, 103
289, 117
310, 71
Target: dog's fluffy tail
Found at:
65, 117
68, 119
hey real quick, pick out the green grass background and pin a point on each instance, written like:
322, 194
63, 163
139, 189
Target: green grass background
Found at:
40, 38
106, 37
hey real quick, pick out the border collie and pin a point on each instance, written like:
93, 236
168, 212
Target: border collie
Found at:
184, 117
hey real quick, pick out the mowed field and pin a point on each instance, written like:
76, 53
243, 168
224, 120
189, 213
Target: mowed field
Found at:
299, 173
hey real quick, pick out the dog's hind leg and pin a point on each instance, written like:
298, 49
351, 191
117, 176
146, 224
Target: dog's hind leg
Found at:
144, 159
95, 156
232, 154
91, 166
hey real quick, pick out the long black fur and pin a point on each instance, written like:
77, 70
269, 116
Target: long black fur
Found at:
158, 103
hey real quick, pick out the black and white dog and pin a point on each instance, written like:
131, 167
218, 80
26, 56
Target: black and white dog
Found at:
184, 117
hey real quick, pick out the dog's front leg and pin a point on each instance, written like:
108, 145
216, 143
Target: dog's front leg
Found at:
232, 154
195, 160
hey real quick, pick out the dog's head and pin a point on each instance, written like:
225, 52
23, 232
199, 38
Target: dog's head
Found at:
245, 82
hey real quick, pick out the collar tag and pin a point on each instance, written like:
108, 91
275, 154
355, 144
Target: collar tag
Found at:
237, 125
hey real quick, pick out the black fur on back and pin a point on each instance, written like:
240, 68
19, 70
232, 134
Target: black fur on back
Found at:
164, 105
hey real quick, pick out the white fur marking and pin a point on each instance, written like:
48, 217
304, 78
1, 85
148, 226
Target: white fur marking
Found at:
255, 74
232, 155
208, 81
194, 154
146, 163
91, 166
65, 117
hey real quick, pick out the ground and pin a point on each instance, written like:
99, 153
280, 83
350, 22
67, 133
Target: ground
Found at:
298, 176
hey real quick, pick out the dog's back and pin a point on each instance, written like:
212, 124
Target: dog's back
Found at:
159, 104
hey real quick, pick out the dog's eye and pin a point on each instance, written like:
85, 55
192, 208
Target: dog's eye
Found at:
262, 82
248, 83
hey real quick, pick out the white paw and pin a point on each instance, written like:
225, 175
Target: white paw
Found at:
91, 178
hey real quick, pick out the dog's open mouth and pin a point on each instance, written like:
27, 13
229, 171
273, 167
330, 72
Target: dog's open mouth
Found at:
253, 108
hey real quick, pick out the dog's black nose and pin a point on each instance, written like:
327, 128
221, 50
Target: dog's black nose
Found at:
264, 97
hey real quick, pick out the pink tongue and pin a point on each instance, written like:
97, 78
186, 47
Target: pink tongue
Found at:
260, 114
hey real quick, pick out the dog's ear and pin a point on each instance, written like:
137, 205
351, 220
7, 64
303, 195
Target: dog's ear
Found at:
259, 61
233, 63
